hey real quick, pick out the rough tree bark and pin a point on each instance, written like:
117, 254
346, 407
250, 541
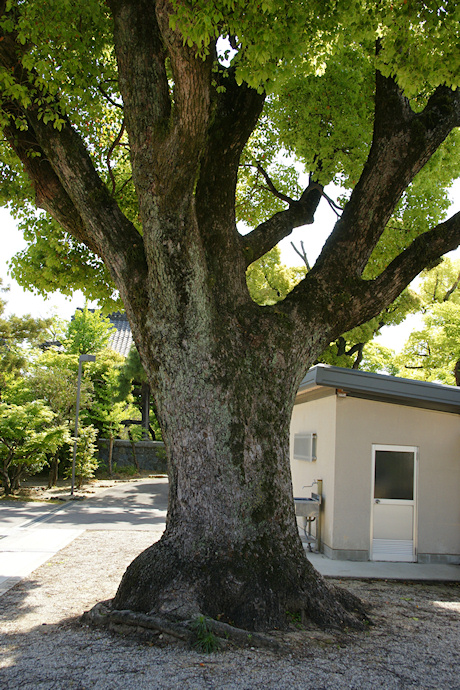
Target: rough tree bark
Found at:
224, 371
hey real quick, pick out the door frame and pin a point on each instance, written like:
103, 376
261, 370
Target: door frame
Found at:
403, 449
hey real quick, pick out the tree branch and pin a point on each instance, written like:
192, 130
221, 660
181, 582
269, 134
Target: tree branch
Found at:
271, 187
143, 81
109, 155
268, 234
302, 253
49, 193
452, 289
426, 248
337, 303
403, 142
65, 180
235, 111
108, 98
166, 142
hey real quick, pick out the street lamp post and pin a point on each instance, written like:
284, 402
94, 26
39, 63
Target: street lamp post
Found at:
81, 359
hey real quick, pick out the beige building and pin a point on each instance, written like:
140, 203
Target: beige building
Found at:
384, 453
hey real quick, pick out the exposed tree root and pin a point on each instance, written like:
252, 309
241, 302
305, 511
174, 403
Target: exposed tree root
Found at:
351, 613
252, 591
151, 626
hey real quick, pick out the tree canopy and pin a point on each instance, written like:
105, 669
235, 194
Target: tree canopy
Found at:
146, 129
17, 335
319, 108
433, 352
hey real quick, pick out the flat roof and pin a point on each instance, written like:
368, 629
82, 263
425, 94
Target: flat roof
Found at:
384, 388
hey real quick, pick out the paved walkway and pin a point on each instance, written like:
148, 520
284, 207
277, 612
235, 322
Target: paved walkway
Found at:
378, 570
31, 533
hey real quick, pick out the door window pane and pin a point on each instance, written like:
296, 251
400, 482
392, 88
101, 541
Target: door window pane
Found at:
394, 474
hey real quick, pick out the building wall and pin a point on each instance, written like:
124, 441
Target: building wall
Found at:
150, 455
317, 416
361, 423
347, 428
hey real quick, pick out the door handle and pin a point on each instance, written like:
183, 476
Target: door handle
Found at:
376, 500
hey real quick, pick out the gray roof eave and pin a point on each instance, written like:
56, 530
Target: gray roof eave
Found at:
383, 387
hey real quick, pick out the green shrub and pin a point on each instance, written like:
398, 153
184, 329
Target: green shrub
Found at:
27, 439
86, 462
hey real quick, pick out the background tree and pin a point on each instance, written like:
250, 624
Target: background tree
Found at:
269, 281
433, 353
17, 335
86, 462
28, 437
88, 332
130, 122
133, 381
108, 411
53, 379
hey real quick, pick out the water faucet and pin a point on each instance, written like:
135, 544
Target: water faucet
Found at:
309, 486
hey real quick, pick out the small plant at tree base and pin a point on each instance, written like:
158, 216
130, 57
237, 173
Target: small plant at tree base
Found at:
205, 641
295, 618
85, 463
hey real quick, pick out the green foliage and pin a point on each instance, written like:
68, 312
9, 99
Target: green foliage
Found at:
54, 261
133, 386
379, 359
325, 118
53, 378
107, 411
269, 280
440, 284
86, 462
131, 371
88, 332
423, 205
316, 59
28, 437
205, 640
75, 37
433, 353
277, 37
124, 470
18, 335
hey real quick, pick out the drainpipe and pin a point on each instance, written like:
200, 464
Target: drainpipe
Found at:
318, 526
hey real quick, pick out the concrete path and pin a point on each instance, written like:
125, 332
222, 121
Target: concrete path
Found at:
379, 570
31, 533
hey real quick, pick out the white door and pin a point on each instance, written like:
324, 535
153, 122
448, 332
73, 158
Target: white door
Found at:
394, 503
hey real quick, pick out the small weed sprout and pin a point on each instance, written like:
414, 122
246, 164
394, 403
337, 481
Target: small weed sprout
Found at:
205, 640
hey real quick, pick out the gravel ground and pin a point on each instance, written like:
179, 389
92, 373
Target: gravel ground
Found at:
414, 642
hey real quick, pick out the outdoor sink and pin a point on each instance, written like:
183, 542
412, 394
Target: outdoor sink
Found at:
307, 507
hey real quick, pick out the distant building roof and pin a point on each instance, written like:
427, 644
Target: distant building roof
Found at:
121, 339
363, 384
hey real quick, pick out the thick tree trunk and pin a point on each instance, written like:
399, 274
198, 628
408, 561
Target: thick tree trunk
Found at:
231, 549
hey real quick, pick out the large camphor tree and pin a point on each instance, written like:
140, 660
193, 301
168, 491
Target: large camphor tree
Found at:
365, 91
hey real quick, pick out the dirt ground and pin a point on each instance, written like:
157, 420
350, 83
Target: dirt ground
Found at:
414, 641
